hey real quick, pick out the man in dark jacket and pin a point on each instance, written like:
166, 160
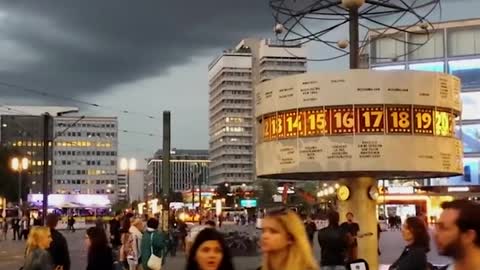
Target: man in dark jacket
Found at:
310, 228
58, 248
16, 228
333, 242
115, 236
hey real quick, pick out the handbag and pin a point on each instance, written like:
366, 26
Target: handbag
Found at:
154, 262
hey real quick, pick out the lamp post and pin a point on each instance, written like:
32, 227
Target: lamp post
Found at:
128, 165
19, 166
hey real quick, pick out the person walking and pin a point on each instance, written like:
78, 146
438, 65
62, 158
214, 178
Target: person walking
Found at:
71, 224
284, 242
124, 236
24, 228
352, 228
333, 243
16, 228
310, 228
133, 250
209, 252
37, 256
458, 234
99, 256
153, 242
414, 256
115, 236
58, 247
5, 228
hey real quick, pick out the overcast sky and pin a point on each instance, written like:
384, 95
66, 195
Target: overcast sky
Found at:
141, 56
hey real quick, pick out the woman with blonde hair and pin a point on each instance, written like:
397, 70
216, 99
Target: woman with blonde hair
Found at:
284, 242
37, 256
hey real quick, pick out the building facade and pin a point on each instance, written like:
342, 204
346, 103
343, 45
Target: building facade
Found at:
23, 135
188, 169
232, 79
136, 179
85, 155
454, 48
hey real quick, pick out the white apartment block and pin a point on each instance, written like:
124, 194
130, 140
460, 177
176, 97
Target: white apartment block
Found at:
85, 156
136, 190
232, 77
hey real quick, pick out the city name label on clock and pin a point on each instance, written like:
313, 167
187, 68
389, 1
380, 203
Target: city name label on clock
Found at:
359, 119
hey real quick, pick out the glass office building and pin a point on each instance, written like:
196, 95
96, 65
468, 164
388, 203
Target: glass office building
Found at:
453, 47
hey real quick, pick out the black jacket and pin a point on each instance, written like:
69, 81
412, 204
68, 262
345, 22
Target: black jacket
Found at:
59, 250
100, 259
333, 244
412, 258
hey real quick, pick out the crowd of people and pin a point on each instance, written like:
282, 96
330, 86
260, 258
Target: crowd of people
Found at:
286, 243
20, 227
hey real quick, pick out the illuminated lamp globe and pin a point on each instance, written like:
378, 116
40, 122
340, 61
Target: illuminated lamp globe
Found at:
423, 25
278, 29
350, 4
342, 44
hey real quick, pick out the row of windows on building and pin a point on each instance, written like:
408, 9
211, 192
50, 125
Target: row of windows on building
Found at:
232, 129
85, 172
83, 144
237, 175
284, 63
223, 80
468, 70
85, 182
460, 42
89, 125
28, 144
86, 153
88, 134
238, 94
87, 162
90, 191
277, 73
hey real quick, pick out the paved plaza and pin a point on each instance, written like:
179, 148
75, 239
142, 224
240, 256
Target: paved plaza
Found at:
11, 252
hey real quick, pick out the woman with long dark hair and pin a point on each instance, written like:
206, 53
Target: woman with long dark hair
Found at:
209, 252
99, 252
414, 256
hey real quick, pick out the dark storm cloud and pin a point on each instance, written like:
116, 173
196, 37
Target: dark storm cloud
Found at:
80, 47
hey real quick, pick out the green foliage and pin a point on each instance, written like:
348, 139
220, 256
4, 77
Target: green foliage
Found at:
177, 197
119, 206
222, 191
266, 190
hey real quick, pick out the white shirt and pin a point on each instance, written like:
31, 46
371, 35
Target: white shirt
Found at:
451, 267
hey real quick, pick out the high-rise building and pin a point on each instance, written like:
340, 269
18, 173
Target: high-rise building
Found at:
136, 179
85, 155
187, 167
21, 130
451, 48
232, 79
23, 135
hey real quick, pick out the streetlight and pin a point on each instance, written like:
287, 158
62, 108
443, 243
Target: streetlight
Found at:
128, 165
19, 166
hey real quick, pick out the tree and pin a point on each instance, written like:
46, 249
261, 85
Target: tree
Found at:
177, 197
221, 191
266, 190
119, 206
8, 179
